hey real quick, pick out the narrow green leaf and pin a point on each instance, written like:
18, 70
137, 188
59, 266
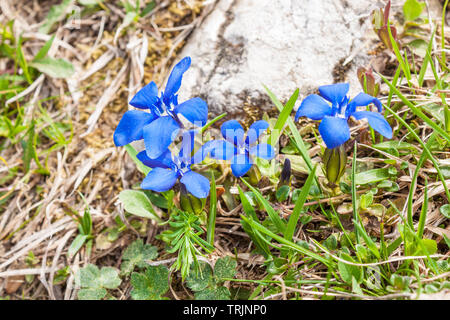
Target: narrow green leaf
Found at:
56, 68
212, 211
44, 50
273, 215
76, 245
416, 111
293, 219
282, 118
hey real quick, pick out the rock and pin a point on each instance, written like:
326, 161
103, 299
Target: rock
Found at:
285, 44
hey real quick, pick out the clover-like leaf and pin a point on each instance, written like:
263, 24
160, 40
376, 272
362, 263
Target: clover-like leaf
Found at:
136, 255
94, 281
198, 281
150, 285
225, 268
220, 293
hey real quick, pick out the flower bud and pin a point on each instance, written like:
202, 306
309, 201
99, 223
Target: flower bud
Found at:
334, 161
285, 176
368, 82
189, 203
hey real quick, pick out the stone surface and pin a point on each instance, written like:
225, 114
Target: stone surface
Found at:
284, 44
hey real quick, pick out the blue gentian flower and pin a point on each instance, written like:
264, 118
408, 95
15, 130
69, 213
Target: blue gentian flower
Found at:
168, 168
334, 128
160, 126
240, 148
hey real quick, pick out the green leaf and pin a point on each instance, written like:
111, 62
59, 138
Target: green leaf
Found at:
412, 9
348, 271
293, 219
44, 50
150, 285
137, 203
283, 193
56, 68
225, 268
148, 8
297, 137
136, 255
371, 176
77, 244
94, 281
29, 148
398, 145
212, 211
56, 13
133, 155
220, 293
202, 279
273, 215
366, 200
92, 294
282, 118
445, 210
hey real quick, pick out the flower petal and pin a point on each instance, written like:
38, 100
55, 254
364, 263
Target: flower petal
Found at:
195, 110
334, 93
187, 144
313, 107
174, 82
240, 164
263, 150
146, 97
130, 126
159, 180
222, 150
376, 121
362, 99
159, 134
196, 184
163, 161
334, 131
233, 132
256, 129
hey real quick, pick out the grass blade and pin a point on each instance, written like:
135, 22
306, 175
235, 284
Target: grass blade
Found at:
273, 215
212, 211
282, 118
293, 219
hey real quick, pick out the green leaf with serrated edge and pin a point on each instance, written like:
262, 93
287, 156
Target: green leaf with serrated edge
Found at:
109, 278
91, 294
150, 285
136, 255
55, 68
200, 280
220, 293
92, 278
225, 268
372, 176
76, 245
137, 203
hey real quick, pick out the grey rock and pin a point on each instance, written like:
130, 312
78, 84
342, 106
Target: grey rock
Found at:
283, 44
